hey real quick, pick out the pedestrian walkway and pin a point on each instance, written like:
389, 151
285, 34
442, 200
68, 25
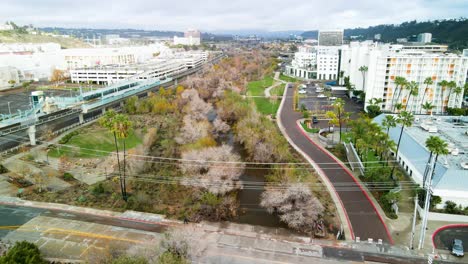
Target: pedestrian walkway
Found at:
357, 211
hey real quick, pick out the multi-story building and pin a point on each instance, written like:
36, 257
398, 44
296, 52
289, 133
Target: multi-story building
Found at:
330, 37
318, 63
191, 37
386, 62
426, 48
328, 62
156, 68
425, 37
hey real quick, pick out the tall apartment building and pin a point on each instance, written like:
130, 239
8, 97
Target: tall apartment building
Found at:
386, 62
328, 62
330, 37
317, 63
425, 37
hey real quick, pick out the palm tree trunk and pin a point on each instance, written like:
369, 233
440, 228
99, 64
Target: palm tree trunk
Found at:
118, 164
422, 100
426, 170
124, 165
399, 141
393, 98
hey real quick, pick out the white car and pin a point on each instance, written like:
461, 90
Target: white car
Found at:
333, 98
321, 96
319, 90
302, 91
302, 86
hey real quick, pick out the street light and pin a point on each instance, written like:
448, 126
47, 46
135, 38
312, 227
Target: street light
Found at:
9, 109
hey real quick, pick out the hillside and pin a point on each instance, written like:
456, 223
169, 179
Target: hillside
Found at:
453, 32
12, 36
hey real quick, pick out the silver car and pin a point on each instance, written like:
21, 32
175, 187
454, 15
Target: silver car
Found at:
457, 248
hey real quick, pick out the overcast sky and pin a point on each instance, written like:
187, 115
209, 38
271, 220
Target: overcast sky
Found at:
215, 15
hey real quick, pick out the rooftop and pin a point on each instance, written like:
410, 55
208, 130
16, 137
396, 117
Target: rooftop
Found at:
450, 175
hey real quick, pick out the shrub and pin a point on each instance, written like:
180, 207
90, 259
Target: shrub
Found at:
387, 201
68, 176
98, 189
3, 169
129, 260
23, 252
67, 137
82, 199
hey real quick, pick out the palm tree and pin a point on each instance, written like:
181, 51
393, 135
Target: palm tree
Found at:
399, 81
438, 147
443, 84
458, 90
107, 121
413, 90
363, 69
122, 127
389, 122
398, 106
405, 119
428, 81
451, 85
428, 106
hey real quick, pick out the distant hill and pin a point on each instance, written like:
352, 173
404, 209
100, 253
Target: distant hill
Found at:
453, 32
125, 33
13, 36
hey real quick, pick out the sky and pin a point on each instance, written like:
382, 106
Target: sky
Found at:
226, 15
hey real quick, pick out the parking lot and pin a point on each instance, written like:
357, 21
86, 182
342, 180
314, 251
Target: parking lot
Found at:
317, 101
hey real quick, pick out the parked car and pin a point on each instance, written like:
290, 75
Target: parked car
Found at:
319, 90
302, 91
332, 98
457, 248
314, 120
302, 86
321, 96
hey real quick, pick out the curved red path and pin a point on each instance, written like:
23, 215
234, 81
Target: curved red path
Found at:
362, 215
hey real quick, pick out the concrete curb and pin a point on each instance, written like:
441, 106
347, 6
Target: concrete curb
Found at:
336, 200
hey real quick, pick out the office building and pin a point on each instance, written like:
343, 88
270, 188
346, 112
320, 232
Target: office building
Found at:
191, 38
425, 38
330, 37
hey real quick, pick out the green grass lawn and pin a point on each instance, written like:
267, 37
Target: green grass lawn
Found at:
278, 90
93, 142
287, 78
264, 105
310, 130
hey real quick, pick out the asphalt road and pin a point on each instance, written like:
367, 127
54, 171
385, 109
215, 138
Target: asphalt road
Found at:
363, 218
11, 216
443, 238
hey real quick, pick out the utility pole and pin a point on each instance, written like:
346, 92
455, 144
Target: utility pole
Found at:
426, 204
9, 109
413, 227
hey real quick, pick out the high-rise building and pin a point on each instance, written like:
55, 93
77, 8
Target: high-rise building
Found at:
330, 37
386, 62
191, 37
425, 37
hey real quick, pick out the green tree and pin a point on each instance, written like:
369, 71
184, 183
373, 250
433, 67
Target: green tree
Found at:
123, 127
437, 147
428, 106
400, 82
413, 91
458, 91
338, 116
363, 69
443, 85
451, 86
389, 122
405, 119
12, 83
428, 81
23, 253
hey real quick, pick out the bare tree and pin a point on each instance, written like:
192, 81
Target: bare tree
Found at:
196, 107
296, 205
220, 126
193, 130
215, 169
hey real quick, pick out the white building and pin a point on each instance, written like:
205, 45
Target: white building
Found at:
328, 60
8, 74
6, 27
191, 37
320, 63
450, 181
385, 62
37, 61
330, 37
425, 37
156, 68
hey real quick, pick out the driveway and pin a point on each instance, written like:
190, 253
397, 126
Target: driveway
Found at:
363, 218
